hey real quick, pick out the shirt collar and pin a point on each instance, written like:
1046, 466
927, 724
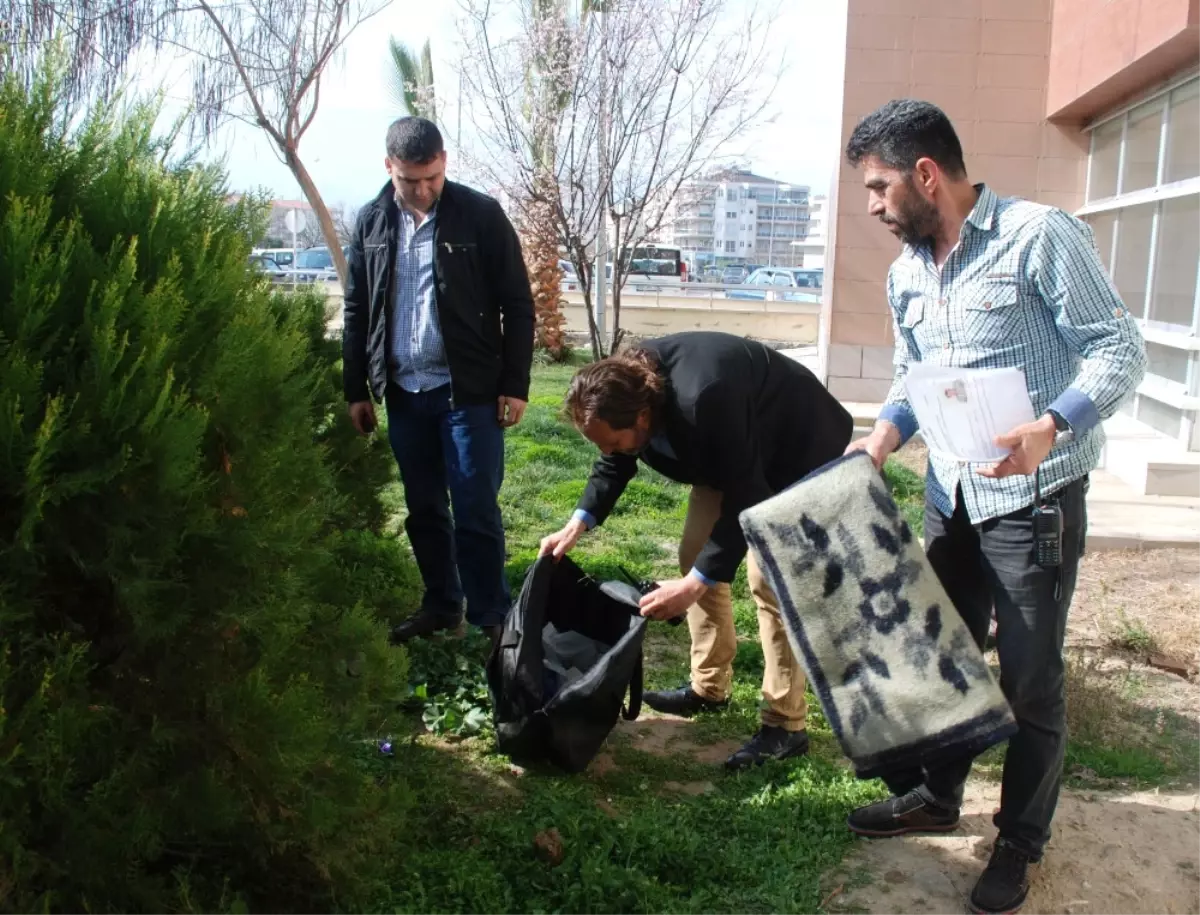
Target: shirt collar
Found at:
983, 214
405, 212
981, 217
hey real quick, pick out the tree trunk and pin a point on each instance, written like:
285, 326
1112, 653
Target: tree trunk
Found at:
317, 202
541, 258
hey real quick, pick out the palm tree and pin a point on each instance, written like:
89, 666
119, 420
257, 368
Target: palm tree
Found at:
412, 80
545, 101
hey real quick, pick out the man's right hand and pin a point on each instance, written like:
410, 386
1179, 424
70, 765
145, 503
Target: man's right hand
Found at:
560, 543
362, 414
879, 443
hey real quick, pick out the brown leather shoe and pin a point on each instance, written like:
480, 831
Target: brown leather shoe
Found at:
898, 816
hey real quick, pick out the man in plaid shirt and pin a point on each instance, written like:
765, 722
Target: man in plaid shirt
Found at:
990, 282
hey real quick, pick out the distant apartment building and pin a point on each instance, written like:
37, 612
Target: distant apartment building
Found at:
739, 218
1090, 106
811, 250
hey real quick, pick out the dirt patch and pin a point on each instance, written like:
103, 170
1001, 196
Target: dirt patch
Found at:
695, 789
1141, 601
666, 735
602, 765
1110, 854
914, 456
1132, 611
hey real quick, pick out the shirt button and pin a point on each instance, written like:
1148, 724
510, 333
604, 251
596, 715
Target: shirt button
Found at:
987, 306
1118, 312
941, 301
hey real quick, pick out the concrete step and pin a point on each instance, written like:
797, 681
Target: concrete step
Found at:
1148, 461
1119, 518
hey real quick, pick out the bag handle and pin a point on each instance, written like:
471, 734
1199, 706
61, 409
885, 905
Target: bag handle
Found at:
634, 708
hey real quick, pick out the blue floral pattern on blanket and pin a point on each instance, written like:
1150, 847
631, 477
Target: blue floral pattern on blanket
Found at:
895, 669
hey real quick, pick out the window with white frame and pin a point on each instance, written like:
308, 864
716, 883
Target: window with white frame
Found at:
1143, 204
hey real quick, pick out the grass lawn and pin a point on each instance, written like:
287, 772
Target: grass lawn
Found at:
660, 831
655, 825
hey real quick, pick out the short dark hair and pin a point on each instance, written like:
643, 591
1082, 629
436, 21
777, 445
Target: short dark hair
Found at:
905, 130
616, 390
415, 140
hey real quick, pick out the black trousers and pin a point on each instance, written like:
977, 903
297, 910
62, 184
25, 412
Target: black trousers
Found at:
990, 566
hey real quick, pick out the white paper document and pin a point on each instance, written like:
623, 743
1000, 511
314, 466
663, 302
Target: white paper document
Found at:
961, 411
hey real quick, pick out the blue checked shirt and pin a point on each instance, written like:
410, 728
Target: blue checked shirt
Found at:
418, 355
1024, 288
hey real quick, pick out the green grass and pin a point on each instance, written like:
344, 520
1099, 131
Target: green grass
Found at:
756, 842
752, 843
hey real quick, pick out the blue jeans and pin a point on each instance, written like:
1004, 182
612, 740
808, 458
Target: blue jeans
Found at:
452, 457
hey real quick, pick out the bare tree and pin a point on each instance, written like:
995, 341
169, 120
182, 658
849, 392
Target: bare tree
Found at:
261, 62
344, 220
258, 61
644, 97
95, 37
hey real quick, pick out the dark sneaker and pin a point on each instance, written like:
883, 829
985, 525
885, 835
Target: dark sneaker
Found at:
683, 702
424, 624
1004, 883
898, 816
769, 743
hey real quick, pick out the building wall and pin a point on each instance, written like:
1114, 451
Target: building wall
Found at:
986, 63
1102, 53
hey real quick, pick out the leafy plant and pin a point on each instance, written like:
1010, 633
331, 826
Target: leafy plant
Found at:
449, 685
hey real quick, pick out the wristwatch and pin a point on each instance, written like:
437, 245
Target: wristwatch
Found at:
1064, 434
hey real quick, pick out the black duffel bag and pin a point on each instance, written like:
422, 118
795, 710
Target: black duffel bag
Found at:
570, 650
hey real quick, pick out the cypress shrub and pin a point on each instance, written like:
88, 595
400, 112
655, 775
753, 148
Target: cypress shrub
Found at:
189, 673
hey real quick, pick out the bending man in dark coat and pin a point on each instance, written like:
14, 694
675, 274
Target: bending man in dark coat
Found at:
738, 422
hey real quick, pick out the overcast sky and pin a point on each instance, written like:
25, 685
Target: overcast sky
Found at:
344, 147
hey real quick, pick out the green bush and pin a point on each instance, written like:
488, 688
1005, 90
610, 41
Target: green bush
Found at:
190, 668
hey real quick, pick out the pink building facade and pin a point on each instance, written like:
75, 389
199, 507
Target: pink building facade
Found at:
1088, 105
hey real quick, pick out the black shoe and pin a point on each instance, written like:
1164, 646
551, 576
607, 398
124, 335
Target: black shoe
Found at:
769, 743
1004, 883
683, 702
424, 624
898, 816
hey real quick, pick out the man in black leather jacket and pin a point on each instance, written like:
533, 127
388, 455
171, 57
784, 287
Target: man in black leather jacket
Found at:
439, 327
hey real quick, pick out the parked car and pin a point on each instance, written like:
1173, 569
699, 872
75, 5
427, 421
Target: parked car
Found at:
570, 279
731, 276
785, 282
315, 265
284, 257
270, 267
709, 274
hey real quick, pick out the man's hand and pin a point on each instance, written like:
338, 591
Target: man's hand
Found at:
560, 543
509, 411
362, 414
673, 598
879, 443
1030, 444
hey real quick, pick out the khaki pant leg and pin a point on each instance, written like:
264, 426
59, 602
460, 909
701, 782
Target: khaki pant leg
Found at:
710, 620
783, 677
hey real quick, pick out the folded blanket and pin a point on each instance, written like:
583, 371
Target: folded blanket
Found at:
894, 667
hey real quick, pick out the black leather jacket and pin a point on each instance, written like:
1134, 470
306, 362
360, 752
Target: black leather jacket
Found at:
484, 303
